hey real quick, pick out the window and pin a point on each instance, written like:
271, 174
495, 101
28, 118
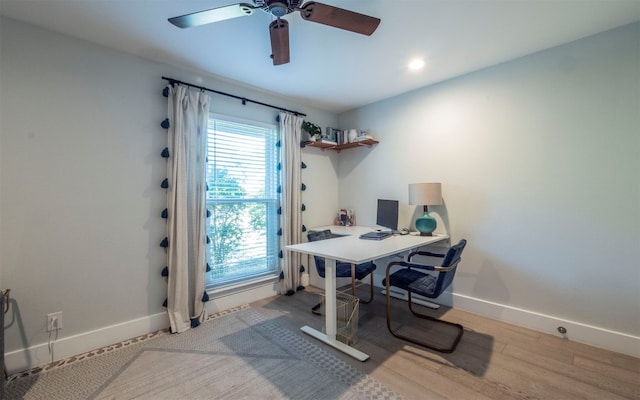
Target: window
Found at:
242, 200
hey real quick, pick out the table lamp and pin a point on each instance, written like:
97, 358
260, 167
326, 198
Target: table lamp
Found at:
425, 194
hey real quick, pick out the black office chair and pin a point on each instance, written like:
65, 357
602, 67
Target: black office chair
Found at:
410, 277
343, 269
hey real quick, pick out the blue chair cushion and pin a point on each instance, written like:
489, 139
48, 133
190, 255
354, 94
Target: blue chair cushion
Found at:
343, 269
414, 281
424, 286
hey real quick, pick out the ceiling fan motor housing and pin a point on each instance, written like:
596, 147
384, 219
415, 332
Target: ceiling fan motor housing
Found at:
277, 8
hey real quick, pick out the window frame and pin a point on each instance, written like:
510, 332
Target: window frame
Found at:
271, 201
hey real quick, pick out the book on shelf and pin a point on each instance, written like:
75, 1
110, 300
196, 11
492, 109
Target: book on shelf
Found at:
326, 141
335, 135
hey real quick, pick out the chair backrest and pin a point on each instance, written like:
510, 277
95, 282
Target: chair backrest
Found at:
313, 237
450, 258
319, 235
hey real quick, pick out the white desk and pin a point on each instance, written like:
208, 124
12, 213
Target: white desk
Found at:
353, 250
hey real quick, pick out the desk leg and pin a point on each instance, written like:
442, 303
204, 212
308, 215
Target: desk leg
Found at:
330, 320
330, 316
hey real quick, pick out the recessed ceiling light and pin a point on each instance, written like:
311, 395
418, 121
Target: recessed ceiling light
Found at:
416, 65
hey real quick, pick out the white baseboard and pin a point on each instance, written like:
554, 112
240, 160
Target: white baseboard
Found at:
39, 355
576, 331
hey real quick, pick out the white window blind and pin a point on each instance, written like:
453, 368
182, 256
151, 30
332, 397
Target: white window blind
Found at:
242, 195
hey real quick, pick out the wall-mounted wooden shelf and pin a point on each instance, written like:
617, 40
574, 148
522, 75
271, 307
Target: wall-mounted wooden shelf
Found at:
338, 148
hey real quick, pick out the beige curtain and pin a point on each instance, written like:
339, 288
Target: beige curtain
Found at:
291, 200
188, 115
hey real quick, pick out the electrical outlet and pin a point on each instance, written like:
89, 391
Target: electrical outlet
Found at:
54, 321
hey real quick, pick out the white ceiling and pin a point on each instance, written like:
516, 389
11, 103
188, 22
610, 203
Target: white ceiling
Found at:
330, 68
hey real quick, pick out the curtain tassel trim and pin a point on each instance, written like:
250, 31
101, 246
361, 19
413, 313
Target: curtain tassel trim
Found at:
205, 297
164, 243
195, 322
165, 124
165, 271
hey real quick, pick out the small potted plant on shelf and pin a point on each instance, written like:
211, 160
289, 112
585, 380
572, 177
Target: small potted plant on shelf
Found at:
314, 130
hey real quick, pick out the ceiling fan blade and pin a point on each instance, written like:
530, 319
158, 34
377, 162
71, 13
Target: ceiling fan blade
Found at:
279, 30
339, 18
212, 15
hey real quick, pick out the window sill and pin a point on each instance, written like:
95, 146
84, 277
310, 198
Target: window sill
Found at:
237, 287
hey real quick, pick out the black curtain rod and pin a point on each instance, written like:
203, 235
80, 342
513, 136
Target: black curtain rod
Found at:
243, 99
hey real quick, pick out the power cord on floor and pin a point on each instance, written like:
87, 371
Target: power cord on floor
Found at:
51, 343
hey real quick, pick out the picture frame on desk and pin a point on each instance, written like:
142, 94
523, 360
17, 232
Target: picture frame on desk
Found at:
345, 217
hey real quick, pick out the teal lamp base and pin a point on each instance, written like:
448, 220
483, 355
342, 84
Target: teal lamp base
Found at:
426, 224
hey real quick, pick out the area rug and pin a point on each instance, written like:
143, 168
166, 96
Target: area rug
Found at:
238, 354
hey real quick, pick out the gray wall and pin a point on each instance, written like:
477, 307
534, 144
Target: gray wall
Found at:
539, 159
80, 188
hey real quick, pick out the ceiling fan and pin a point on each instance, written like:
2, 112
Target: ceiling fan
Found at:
279, 28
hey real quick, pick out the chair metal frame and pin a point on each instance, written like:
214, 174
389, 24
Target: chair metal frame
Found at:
353, 285
315, 309
437, 268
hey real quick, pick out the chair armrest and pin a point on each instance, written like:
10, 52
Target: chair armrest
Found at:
437, 268
424, 253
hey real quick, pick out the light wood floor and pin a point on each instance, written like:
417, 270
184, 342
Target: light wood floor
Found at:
494, 360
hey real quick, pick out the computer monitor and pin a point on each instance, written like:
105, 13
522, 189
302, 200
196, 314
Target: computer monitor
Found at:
387, 214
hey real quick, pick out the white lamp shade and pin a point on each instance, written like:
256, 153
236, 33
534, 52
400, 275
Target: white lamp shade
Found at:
425, 194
